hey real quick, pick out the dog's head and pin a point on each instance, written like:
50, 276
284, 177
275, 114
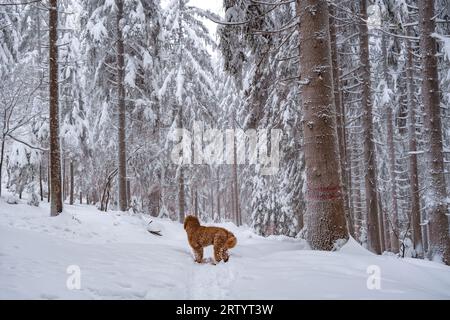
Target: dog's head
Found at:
191, 221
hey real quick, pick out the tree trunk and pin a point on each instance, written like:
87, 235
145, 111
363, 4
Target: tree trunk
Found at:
211, 193
373, 228
391, 226
340, 120
181, 195
196, 203
81, 198
439, 242
393, 181
2, 155
218, 194
325, 208
387, 231
235, 184
128, 193
121, 109
56, 206
48, 179
64, 189
71, 199
233, 204
41, 191
381, 224
413, 168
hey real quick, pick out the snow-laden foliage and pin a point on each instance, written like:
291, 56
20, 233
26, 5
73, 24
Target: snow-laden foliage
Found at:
265, 68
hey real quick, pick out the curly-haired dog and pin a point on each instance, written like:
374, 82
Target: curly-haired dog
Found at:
200, 237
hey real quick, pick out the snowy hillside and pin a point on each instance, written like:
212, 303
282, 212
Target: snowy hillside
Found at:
119, 259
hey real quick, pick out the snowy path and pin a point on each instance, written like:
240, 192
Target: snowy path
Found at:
119, 259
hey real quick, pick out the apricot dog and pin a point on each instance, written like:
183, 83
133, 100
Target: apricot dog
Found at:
200, 237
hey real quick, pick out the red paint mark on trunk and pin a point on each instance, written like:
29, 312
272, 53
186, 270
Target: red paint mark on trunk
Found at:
323, 193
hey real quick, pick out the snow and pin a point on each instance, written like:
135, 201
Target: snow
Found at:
180, 86
130, 73
446, 43
118, 259
98, 31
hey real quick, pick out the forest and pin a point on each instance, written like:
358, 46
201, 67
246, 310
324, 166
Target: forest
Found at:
349, 102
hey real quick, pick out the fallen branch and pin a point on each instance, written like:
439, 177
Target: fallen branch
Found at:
156, 233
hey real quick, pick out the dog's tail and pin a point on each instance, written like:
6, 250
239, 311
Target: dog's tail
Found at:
231, 241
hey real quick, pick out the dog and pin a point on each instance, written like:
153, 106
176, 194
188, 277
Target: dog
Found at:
200, 237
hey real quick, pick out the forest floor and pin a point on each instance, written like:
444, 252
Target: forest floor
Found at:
119, 259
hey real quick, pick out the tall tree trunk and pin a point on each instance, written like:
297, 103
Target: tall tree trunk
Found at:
356, 189
218, 194
233, 204
381, 223
2, 155
41, 191
181, 195
437, 193
72, 184
196, 212
128, 193
413, 168
56, 206
393, 180
192, 204
340, 120
325, 208
211, 193
373, 228
48, 179
64, 187
121, 109
237, 206
387, 230
391, 226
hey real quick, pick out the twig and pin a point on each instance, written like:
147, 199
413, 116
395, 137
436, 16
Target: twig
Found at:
156, 233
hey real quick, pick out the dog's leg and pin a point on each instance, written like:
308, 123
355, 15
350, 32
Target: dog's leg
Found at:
217, 255
219, 245
198, 253
225, 255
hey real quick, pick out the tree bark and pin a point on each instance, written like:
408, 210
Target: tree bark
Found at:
196, 212
211, 193
121, 109
390, 226
413, 168
218, 194
181, 195
56, 206
393, 181
340, 120
373, 228
439, 242
237, 206
325, 208
381, 224
64, 187
48, 179
2, 155
41, 191
72, 184
128, 193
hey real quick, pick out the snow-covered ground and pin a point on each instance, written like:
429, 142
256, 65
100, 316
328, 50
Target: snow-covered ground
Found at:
119, 259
